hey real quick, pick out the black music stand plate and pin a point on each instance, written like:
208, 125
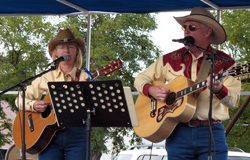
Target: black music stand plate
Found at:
106, 99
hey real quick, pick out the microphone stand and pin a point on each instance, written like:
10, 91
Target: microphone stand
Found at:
22, 86
211, 57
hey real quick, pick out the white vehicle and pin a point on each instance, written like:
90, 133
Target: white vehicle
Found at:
144, 152
237, 154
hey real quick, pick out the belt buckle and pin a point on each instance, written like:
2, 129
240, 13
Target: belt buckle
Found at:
190, 124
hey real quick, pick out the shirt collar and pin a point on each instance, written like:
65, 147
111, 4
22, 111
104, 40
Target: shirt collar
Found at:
209, 48
72, 74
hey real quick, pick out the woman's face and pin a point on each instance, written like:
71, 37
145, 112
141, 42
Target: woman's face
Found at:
69, 49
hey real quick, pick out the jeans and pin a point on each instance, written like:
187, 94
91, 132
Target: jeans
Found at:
191, 143
67, 144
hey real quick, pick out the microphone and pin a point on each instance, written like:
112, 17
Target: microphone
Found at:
187, 40
64, 57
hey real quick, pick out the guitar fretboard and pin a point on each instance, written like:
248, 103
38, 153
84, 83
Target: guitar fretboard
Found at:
191, 89
199, 85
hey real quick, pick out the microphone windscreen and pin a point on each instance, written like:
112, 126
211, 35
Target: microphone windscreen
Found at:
65, 57
189, 40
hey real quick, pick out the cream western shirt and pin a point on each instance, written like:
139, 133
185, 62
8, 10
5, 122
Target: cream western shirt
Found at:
183, 63
37, 88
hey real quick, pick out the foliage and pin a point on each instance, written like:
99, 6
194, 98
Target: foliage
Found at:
236, 24
24, 46
5, 125
124, 36
239, 134
22, 52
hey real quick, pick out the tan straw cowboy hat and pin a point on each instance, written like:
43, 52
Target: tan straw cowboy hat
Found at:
66, 36
200, 14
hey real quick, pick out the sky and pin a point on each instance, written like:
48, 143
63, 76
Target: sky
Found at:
168, 29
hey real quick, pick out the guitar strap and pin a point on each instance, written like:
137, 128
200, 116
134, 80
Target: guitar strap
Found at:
203, 73
204, 70
78, 73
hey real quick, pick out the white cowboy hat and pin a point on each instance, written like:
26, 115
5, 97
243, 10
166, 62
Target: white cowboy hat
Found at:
200, 14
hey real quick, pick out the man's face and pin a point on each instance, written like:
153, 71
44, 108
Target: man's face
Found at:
198, 31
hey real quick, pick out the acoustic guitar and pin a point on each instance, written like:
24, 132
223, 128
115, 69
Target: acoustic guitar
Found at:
41, 127
158, 119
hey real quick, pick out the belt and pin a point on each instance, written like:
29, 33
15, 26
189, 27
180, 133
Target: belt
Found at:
197, 123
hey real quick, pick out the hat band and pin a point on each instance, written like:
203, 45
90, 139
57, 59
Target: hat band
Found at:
66, 40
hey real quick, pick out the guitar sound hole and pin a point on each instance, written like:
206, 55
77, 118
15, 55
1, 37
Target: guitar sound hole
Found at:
171, 98
47, 112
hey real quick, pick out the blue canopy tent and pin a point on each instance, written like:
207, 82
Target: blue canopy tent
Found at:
55, 7
66, 7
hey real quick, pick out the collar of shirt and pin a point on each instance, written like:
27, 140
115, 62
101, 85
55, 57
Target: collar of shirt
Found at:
209, 48
72, 73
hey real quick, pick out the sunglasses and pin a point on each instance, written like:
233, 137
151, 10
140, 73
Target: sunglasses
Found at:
190, 27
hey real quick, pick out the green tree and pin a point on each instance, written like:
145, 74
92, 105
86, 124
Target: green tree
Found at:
22, 54
124, 36
237, 26
5, 125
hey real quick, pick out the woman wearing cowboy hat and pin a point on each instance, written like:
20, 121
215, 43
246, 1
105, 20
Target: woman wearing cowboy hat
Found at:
189, 141
69, 143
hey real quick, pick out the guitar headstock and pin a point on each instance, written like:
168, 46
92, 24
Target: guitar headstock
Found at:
240, 70
111, 67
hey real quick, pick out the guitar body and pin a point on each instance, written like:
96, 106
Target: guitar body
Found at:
159, 127
39, 130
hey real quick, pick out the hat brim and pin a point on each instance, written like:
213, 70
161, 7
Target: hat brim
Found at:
219, 32
79, 41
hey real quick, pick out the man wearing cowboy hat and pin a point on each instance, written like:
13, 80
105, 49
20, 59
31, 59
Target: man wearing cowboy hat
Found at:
189, 141
69, 143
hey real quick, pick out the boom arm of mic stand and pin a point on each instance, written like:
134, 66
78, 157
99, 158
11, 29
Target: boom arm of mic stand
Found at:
29, 79
209, 54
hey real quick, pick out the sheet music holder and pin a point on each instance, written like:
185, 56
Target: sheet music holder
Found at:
98, 104
106, 98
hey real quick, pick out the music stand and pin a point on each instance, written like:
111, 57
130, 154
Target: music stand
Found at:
87, 104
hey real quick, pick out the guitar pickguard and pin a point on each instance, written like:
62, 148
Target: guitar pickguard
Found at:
162, 111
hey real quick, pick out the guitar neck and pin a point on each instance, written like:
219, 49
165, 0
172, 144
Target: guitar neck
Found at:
93, 76
199, 85
191, 89
107, 69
